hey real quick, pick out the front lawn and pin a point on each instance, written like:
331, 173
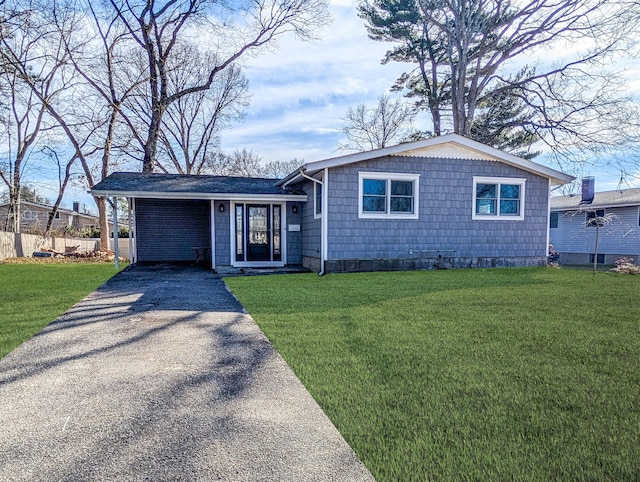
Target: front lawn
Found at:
33, 295
499, 374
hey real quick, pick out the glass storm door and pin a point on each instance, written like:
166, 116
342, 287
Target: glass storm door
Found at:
258, 233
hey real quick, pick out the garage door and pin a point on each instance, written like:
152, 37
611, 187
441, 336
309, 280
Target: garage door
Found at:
167, 230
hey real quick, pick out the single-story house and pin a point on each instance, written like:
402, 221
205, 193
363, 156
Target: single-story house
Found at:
34, 217
447, 201
573, 226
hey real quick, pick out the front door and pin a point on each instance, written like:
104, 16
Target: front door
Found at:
258, 232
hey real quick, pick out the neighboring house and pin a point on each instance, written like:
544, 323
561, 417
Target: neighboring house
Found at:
442, 202
573, 230
34, 217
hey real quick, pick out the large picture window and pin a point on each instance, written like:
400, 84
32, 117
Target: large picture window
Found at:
498, 198
388, 195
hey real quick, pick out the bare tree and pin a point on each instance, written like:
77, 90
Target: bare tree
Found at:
56, 86
388, 122
280, 169
158, 28
24, 118
463, 50
241, 163
594, 219
246, 163
192, 124
111, 79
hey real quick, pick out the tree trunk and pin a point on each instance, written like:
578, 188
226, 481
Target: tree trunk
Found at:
595, 248
104, 224
151, 146
12, 223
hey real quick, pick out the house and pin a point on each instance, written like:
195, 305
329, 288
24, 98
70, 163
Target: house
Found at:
34, 217
447, 201
573, 226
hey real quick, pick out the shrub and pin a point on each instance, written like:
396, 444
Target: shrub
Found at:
626, 265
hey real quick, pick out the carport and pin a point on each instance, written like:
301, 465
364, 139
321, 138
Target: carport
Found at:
170, 230
221, 220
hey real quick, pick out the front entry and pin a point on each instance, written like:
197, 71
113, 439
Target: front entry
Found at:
258, 234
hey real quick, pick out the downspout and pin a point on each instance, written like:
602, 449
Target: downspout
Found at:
548, 222
324, 232
323, 224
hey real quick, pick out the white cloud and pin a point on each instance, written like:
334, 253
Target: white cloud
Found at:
304, 88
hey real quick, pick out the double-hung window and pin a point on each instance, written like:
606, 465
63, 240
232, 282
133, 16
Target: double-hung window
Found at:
498, 198
388, 195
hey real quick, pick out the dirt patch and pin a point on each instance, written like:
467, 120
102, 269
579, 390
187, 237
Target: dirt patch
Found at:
53, 257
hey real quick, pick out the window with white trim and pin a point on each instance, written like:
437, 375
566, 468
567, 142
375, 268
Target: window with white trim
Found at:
317, 200
498, 198
388, 195
594, 218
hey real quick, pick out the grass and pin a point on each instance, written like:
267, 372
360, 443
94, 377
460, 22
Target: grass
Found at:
33, 295
505, 374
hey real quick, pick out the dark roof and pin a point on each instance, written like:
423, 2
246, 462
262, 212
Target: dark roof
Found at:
620, 197
138, 184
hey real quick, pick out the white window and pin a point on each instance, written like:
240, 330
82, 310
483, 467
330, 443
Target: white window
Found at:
317, 200
388, 195
498, 198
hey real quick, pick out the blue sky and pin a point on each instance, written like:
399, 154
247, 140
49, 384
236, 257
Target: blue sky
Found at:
301, 91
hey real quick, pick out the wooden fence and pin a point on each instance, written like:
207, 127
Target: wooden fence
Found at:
14, 245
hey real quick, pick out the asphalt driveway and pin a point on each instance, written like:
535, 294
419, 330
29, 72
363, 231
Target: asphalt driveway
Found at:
160, 375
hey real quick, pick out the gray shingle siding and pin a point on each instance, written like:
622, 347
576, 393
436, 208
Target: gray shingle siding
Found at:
294, 238
310, 227
445, 214
223, 246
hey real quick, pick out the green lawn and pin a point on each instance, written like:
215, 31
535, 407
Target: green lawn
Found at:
33, 295
498, 374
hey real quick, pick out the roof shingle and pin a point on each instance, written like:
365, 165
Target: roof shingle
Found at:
126, 183
604, 199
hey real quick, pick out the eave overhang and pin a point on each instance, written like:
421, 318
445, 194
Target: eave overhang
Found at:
200, 196
468, 149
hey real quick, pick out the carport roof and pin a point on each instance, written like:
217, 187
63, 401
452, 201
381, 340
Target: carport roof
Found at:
181, 186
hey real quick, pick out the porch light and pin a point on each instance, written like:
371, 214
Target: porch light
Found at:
221, 208
294, 209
